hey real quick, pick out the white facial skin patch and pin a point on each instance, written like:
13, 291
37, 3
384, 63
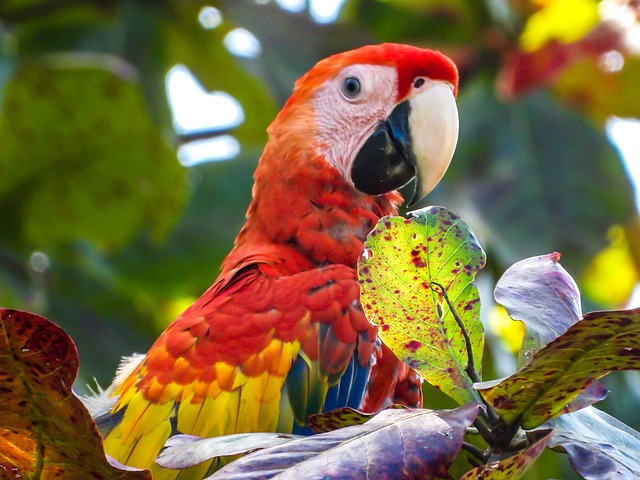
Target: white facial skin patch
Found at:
344, 124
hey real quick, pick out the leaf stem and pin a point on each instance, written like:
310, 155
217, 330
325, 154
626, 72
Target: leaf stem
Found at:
485, 432
493, 419
475, 451
490, 414
470, 369
506, 437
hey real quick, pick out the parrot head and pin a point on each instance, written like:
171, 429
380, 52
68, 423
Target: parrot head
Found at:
381, 114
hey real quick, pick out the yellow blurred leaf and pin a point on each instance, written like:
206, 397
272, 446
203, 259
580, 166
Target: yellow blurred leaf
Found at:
562, 20
602, 91
172, 309
612, 276
510, 331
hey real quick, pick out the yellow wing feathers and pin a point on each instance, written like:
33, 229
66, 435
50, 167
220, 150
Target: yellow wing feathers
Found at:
234, 402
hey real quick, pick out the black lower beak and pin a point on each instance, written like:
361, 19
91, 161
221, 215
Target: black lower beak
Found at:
386, 162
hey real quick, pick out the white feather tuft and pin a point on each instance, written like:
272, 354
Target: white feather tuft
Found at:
101, 401
126, 368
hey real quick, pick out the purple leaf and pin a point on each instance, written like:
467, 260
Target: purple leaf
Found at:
184, 451
599, 446
411, 443
539, 292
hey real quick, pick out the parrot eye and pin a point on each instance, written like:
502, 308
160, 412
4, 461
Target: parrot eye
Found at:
351, 87
418, 82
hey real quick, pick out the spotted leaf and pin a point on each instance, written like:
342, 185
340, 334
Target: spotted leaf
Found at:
74, 165
558, 373
402, 258
45, 431
338, 418
514, 466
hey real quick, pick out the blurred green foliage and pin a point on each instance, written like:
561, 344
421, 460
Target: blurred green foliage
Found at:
106, 234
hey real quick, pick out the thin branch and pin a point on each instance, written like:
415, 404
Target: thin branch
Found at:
475, 451
489, 414
208, 134
505, 438
485, 432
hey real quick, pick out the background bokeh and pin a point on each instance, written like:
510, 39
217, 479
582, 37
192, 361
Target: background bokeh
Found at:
118, 200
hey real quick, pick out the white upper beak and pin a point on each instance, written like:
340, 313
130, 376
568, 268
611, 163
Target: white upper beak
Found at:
433, 123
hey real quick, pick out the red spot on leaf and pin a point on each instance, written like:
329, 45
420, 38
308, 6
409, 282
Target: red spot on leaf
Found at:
471, 303
418, 263
413, 346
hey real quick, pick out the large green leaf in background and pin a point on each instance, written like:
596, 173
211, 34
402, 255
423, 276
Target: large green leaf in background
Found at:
72, 165
608, 93
537, 177
453, 20
143, 287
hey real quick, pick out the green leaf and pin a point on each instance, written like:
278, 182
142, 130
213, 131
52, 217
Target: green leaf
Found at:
186, 264
7, 59
45, 430
541, 294
394, 444
599, 446
514, 466
74, 165
402, 257
51, 26
429, 22
558, 373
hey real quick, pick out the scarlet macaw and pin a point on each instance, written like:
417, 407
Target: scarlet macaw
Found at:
280, 334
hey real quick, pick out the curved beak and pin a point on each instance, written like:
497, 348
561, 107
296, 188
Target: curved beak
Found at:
416, 140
